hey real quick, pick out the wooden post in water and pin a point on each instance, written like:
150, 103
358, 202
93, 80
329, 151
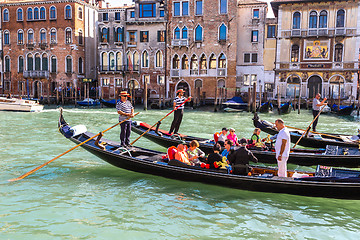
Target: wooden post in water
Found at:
57, 92
254, 98
339, 97
294, 105
48, 92
278, 98
260, 95
249, 99
145, 95
299, 101
215, 100
62, 95
159, 97
358, 103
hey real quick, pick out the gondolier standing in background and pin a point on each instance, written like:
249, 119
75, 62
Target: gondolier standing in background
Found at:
125, 109
316, 109
282, 147
178, 114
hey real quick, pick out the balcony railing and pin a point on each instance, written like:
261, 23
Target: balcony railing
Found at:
194, 72
106, 68
132, 68
221, 72
296, 33
312, 32
340, 31
36, 74
203, 71
322, 32
175, 72
30, 45
180, 42
43, 45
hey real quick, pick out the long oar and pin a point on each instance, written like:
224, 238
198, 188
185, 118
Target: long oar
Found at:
308, 128
35, 169
161, 120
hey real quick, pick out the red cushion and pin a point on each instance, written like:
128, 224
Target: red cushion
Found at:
216, 136
171, 152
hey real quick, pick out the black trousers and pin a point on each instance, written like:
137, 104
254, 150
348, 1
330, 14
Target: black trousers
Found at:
315, 113
175, 125
125, 133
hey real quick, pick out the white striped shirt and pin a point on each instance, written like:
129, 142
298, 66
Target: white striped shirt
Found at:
179, 101
125, 107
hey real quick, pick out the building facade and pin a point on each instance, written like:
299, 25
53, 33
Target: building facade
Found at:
317, 48
202, 47
47, 46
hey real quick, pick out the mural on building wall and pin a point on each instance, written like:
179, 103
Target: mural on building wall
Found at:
316, 50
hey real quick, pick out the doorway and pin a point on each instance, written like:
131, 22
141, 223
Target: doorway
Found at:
314, 86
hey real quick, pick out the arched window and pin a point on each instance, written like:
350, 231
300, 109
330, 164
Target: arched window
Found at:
296, 20
177, 33
81, 41
42, 13
203, 62
323, 19
30, 37
104, 35
37, 62
337, 87
20, 37
222, 32
295, 53
104, 60
129, 61
212, 62
42, 36
6, 15
293, 83
119, 61
68, 14
19, 14
52, 12
21, 64
53, 64
45, 62
53, 37
80, 13
7, 64
313, 19
145, 59
119, 35
194, 64
36, 13
6, 37
340, 18
222, 61
69, 64
176, 62
30, 62
159, 59
112, 61
68, 38
184, 62
30, 14
136, 61
199, 33
338, 52
184, 33
81, 67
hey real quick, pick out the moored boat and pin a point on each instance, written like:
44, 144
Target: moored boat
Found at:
88, 102
235, 103
19, 105
342, 110
110, 103
312, 139
331, 155
285, 108
265, 107
325, 182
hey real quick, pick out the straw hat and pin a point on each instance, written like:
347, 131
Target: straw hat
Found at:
124, 93
180, 90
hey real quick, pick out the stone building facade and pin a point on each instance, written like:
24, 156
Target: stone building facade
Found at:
202, 47
47, 45
317, 47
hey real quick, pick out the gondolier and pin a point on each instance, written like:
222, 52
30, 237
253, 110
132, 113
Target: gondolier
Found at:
178, 114
282, 147
316, 109
125, 109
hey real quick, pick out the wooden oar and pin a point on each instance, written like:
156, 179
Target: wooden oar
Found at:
160, 120
35, 169
308, 128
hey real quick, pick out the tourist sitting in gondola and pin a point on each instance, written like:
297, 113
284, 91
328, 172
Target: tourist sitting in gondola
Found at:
215, 156
255, 140
239, 160
195, 154
222, 137
181, 154
232, 136
227, 150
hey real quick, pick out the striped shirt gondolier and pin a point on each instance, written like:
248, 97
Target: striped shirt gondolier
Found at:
179, 101
125, 107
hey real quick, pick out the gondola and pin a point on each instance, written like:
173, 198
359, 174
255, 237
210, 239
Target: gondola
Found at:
331, 155
314, 140
265, 107
235, 103
88, 102
111, 103
342, 110
285, 108
325, 182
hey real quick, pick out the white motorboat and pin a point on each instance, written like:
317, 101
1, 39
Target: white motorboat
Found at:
19, 105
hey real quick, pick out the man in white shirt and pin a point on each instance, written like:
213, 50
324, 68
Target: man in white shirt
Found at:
316, 109
282, 147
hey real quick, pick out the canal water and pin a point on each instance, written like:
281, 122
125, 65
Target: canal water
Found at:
79, 196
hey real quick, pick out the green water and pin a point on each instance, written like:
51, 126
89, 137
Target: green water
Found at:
81, 197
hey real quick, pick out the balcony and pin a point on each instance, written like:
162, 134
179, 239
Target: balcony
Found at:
323, 32
221, 72
312, 32
132, 68
180, 42
318, 32
340, 31
296, 33
106, 68
30, 45
194, 72
36, 74
53, 42
175, 72
203, 71
43, 45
